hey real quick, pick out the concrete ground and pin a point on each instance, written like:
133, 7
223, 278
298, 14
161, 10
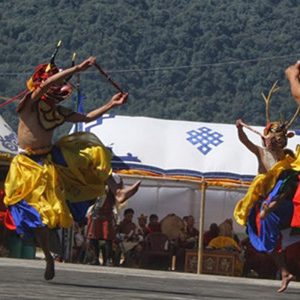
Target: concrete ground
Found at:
23, 279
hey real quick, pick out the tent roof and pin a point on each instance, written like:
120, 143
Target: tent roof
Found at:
178, 148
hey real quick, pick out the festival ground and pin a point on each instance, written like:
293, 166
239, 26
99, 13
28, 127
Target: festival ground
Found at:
23, 279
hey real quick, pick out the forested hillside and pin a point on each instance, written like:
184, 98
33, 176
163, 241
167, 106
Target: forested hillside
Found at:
202, 60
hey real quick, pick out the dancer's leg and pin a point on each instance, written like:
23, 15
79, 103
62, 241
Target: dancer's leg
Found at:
286, 276
42, 236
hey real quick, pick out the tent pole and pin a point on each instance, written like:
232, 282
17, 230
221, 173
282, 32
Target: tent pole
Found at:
201, 227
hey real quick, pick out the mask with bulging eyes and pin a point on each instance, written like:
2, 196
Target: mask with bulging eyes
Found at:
59, 93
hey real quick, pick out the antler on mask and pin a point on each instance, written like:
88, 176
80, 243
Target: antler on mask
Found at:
275, 129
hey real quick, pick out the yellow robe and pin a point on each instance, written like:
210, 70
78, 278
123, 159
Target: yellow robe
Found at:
221, 242
46, 187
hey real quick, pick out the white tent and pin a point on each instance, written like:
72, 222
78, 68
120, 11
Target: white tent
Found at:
8, 142
175, 158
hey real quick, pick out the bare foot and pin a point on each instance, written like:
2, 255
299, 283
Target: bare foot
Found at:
125, 193
285, 282
49, 272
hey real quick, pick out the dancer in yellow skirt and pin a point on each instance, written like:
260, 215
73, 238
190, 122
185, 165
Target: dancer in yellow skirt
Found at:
44, 176
272, 157
270, 204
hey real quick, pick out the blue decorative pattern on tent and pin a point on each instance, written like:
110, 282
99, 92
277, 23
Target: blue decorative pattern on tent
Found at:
10, 141
204, 138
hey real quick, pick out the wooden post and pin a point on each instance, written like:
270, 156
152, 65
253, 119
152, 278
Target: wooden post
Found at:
201, 227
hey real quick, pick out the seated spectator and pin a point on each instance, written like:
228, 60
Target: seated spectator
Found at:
225, 240
191, 234
187, 241
210, 234
128, 240
154, 225
142, 225
230, 226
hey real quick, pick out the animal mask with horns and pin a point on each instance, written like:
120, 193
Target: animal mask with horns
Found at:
276, 133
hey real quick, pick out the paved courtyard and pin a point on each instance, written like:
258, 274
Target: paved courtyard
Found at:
23, 279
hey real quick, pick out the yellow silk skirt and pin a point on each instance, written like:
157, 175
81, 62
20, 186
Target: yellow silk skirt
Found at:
261, 187
46, 187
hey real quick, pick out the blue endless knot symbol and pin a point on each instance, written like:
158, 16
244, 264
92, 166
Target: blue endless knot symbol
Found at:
204, 138
9, 142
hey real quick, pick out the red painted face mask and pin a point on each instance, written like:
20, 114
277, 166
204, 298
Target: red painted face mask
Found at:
57, 92
41, 73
